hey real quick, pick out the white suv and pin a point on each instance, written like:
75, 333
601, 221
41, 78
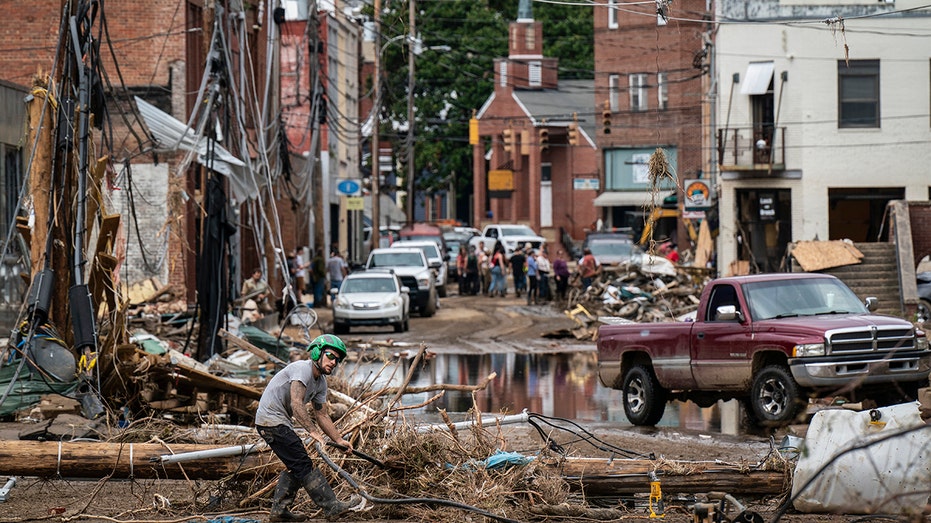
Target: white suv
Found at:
435, 257
371, 298
411, 266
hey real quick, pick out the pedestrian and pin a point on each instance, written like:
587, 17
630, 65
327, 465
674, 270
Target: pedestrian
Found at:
544, 268
337, 269
588, 268
498, 273
519, 271
532, 278
472, 272
461, 260
256, 288
300, 273
285, 397
318, 279
561, 275
484, 265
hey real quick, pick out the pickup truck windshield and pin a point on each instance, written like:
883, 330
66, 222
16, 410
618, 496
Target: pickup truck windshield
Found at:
802, 297
517, 230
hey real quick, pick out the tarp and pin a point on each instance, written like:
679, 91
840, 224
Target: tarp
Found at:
173, 135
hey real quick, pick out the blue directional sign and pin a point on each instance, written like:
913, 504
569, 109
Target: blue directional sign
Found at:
348, 187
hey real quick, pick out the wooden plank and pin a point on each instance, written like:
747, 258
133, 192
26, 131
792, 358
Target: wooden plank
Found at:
816, 256
245, 345
106, 238
205, 380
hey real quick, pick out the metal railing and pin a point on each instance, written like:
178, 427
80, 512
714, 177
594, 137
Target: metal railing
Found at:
752, 148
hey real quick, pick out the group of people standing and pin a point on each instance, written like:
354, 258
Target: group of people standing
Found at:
486, 271
316, 275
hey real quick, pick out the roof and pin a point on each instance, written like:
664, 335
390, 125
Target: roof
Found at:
556, 106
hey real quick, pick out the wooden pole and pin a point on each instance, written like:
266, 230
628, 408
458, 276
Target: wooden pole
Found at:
79, 459
41, 126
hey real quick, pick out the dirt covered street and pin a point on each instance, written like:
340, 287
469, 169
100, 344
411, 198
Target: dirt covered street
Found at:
442, 466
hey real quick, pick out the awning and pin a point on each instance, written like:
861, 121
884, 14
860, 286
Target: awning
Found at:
625, 199
170, 132
758, 77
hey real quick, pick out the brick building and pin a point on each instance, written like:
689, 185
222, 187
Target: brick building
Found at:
534, 157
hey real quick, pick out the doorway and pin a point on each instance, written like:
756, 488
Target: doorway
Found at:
764, 227
857, 214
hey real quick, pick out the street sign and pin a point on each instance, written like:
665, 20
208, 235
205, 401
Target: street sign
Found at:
348, 187
355, 203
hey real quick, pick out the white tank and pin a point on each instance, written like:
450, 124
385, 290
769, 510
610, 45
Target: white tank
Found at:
891, 474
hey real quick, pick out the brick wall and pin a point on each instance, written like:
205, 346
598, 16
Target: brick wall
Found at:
920, 215
146, 38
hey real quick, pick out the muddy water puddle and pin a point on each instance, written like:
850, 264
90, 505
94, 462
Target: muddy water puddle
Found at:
556, 385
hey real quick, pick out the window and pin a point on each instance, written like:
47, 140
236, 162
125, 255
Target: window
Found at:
662, 92
612, 14
503, 72
534, 71
530, 39
638, 92
858, 93
613, 93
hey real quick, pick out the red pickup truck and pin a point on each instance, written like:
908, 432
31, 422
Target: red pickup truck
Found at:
770, 340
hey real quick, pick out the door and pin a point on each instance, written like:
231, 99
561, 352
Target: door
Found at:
719, 347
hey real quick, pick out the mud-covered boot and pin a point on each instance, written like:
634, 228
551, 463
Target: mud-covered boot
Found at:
284, 497
320, 491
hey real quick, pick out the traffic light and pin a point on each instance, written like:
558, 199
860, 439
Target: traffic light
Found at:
544, 139
508, 140
573, 134
606, 118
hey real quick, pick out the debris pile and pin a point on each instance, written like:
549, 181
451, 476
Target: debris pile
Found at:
481, 467
621, 294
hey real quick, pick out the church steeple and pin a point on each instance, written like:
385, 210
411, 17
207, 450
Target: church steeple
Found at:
525, 66
525, 11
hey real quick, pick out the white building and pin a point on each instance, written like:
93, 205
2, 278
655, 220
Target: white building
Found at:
822, 117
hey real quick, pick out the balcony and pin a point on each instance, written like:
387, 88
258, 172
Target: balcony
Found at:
757, 150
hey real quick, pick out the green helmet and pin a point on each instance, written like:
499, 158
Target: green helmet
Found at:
326, 341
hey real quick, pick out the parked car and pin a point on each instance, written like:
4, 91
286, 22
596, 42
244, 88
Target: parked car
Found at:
924, 297
512, 236
411, 266
612, 248
375, 297
436, 258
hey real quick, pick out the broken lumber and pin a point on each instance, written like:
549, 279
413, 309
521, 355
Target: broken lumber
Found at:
94, 460
631, 476
245, 345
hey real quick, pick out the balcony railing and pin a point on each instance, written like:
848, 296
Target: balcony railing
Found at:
760, 149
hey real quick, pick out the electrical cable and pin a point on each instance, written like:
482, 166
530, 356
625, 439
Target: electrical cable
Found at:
405, 501
588, 437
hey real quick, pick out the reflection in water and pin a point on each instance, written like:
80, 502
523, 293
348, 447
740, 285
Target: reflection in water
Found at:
557, 385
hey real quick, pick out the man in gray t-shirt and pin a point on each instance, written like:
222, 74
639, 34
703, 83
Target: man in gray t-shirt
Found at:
286, 397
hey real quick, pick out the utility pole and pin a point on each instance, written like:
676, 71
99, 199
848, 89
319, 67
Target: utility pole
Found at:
412, 40
376, 123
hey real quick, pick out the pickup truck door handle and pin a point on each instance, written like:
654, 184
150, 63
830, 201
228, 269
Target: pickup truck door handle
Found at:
701, 335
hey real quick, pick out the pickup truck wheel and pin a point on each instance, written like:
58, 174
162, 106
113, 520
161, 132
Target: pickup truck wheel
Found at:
644, 398
775, 397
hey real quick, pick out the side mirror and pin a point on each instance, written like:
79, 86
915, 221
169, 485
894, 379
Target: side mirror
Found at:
728, 313
334, 292
872, 303
405, 289
436, 265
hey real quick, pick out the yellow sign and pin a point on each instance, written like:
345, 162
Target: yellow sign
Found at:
355, 203
473, 131
501, 180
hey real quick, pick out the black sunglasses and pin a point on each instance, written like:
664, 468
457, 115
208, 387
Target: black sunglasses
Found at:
333, 356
